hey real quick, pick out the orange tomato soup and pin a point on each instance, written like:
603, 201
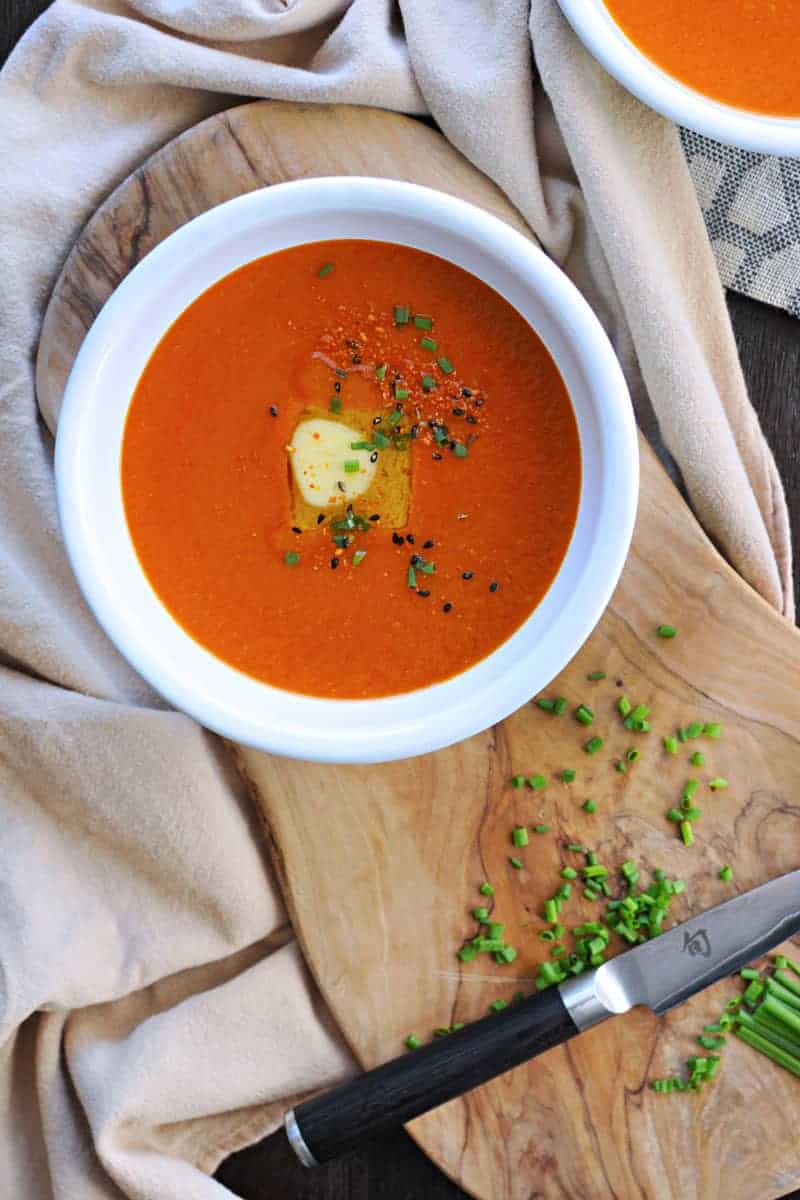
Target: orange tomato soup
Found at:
742, 52
447, 374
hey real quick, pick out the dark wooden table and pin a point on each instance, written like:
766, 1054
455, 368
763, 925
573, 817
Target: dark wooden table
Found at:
392, 1168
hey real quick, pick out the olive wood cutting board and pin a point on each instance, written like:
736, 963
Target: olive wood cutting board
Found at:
380, 865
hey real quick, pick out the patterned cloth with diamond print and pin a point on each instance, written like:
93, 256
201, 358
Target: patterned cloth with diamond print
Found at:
751, 205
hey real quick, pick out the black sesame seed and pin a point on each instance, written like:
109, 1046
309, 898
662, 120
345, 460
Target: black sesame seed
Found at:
340, 485
620, 683
437, 457
423, 592
338, 371
466, 392
296, 530
415, 560
377, 420
374, 456
446, 607
428, 545
471, 420
451, 445
459, 412
414, 430
397, 539
334, 563
337, 387
352, 345
467, 574
320, 518
410, 539
356, 359
479, 403
273, 411
494, 585
375, 517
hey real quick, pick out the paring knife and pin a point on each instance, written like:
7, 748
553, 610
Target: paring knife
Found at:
660, 974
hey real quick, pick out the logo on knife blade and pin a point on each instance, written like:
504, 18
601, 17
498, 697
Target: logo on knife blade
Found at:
697, 943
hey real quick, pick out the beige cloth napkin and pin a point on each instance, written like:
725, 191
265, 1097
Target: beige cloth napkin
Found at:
155, 1013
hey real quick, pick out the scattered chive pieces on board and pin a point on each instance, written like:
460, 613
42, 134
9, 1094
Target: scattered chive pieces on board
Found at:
545, 704
541, 828
380, 371
423, 322
520, 836
498, 1005
593, 745
695, 729
689, 789
358, 557
726, 874
428, 383
687, 835
517, 781
325, 270
621, 766
506, 955
537, 782
682, 735
445, 365
569, 873
291, 558
584, 715
560, 706
480, 913
717, 785
671, 745
428, 343
697, 759
623, 706
590, 806
460, 451
401, 314
515, 863
594, 676
576, 848
712, 730
486, 889
666, 631
468, 953
567, 776
633, 755
413, 1042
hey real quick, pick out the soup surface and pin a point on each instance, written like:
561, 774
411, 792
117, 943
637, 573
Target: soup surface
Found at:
350, 469
743, 52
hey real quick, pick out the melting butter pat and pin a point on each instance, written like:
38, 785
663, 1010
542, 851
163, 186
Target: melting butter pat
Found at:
320, 451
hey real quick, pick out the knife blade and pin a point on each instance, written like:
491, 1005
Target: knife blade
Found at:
660, 974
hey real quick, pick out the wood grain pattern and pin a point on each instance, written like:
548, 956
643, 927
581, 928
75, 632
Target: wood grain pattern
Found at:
380, 864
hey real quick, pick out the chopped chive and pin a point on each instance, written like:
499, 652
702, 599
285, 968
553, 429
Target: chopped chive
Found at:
352, 465
565, 891
358, 557
676, 815
753, 993
695, 729
687, 836
381, 440
516, 864
496, 930
481, 914
517, 781
711, 1043
546, 935
712, 730
541, 828
584, 715
546, 705
726, 874
362, 445
506, 955
423, 322
428, 343
640, 713
325, 270
468, 953
428, 383
557, 951
623, 706
595, 871
567, 776
717, 784
335, 404
413, 1042
537, 782
380, 371
400, 393
690, 813
396, 415
697, 759
401, 314
593, 745
411, 577
550, 911
569, 873
560, 706
671, 745
594, 676
460, 450
520, 837
576, 848
682, 735
633, 755
498, 1005
621, 766
291, 558
689, 789
589, 806
666, 631
445, 365
486, 889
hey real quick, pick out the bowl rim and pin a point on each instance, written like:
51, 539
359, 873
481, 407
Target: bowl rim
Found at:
760, 133
451, 713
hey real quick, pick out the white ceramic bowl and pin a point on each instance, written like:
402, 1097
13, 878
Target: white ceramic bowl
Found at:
90, 497
601, 35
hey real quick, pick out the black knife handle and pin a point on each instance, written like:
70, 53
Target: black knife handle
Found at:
406, 1087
